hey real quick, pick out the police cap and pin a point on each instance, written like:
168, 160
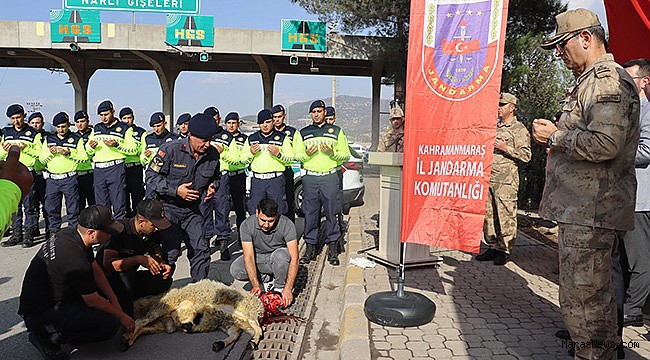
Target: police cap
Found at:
202, 126
232, 116
330, 111
81, 114
277, 108
152, 210
105, 105
126, 111
183, 118
97, 217
264, 115
211, 111
156, 118
316, 104
15, 109
35, 115
60, 118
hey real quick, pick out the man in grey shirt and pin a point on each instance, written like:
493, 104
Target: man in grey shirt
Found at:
270, 247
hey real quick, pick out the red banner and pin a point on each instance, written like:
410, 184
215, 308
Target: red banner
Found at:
629, 29
453, 82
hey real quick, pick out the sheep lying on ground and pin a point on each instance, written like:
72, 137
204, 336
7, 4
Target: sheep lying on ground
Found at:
201, 307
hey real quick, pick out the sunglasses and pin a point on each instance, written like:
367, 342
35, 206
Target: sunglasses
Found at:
560, 46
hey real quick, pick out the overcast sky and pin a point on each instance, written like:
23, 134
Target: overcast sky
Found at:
194, 91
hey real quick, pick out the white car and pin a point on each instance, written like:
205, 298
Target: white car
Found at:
361, 150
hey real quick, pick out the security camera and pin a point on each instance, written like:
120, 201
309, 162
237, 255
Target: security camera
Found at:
293, 60
74, 47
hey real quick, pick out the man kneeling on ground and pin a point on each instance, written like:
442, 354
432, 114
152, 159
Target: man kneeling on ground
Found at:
270, 247
65, 298
137, 245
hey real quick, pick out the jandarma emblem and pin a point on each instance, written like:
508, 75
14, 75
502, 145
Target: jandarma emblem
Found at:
461, 44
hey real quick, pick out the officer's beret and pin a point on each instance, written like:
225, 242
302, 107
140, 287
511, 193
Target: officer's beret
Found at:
203, 126
126, 111
35, 115
60, 118
15, 109
156, 118
211, 111
264, 115
106, 105
232, 116
183, 118
507, 98
316, 104
329, 111
277, 108
81, 114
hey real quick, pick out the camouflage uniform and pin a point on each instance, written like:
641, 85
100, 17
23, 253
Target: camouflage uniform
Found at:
500, 227
391, 141
590, 191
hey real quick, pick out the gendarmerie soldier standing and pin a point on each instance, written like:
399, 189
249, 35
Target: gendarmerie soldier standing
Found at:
84, 168
237, 172
279, 118
152, 142
178, 174
37, 202
134, 171
109, 144
61, 153
320, 148
30, 142
181, 125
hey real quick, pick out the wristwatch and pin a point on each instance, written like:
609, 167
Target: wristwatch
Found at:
549, 141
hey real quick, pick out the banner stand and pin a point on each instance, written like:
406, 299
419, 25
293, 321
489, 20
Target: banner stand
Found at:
400, 308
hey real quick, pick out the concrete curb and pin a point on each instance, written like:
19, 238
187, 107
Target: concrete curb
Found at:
354, 336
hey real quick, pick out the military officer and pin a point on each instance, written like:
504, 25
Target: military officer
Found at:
84, 168
109, 144
61, 153
36, 121
590, 179
217, 210
30, 142
279, 118
181, 125
236, 172
268, 151
153, 141
393, 139
178, 174
134, 171
320, 148
511, 148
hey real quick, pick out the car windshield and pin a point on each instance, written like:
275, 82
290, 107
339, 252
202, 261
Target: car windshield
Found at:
354, 153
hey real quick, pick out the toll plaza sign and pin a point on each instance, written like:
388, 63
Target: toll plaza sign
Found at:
190, 30
302, 35
75, 26
168, 6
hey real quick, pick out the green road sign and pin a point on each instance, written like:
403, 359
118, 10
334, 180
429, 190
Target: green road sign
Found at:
190, 30
168, 6
75, 26
302, 35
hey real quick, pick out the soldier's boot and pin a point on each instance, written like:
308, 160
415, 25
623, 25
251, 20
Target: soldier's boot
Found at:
28, 239
16, 237
488, 255
225, 252
34, 232
333, 253
501, 258
310, 254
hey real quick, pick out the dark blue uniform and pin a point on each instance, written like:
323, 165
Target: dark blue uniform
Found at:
289, 188
237, 182
62, 185
134, 176
172, 166
85, 179
216, 211
38, 198
153, 142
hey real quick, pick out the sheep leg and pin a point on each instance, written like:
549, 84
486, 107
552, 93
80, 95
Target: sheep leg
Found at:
233, 335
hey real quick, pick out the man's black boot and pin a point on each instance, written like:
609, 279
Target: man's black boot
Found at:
488, 255
333, 254
48, 349
310, 254
225, 252
34, 232
502, 258
16, 237
28, 239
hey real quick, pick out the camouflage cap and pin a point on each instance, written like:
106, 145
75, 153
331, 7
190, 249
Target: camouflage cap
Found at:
508, 98
396, 112
567, 23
